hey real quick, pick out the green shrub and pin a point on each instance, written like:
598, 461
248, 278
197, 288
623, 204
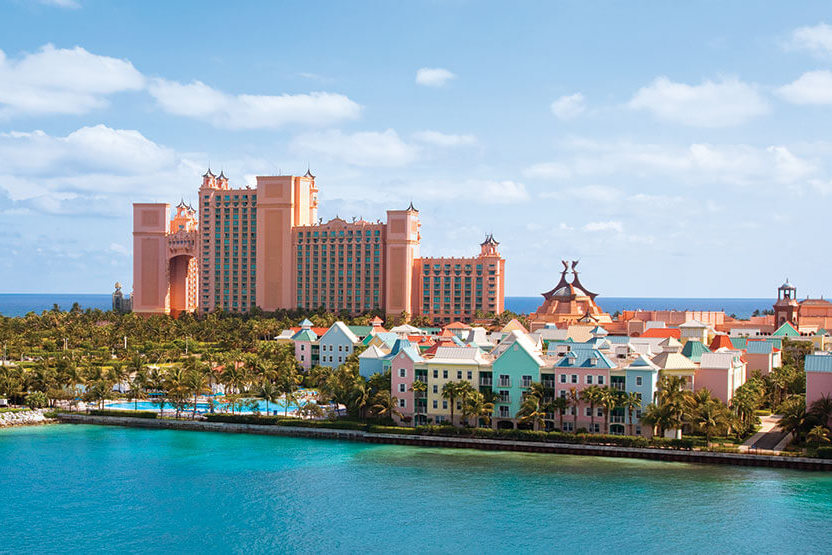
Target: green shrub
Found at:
244, 419
722, 449
51, 414
762, 412
333, 424
37, 400
824, 452
125, 413
665, 443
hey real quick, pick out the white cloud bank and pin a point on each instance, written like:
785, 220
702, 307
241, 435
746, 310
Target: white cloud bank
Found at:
816, 39
569, 106
246, 111
62, 81
813, 87
709, 104
433, 77
438, 138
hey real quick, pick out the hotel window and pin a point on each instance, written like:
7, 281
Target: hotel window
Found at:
435, 374
402, 388
445, 404
588, 412
435, 389
526, 381
574, 378
402, 373
435, 404
402, 403
563, 378
470, 375
639, 380
445, 374
589, 379
459, 374
600, 380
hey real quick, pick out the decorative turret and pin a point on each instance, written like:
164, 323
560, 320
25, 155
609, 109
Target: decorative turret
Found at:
411, 208
489, 246
786, 309
309, 173
222, 181
208, 178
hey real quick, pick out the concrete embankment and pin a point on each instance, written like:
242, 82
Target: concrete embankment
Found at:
736, 459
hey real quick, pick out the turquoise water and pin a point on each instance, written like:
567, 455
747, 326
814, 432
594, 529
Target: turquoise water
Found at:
200, 407
65, 488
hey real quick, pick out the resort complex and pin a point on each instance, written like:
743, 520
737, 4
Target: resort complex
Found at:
266, 247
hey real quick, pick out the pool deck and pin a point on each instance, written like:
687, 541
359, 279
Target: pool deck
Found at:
676, 455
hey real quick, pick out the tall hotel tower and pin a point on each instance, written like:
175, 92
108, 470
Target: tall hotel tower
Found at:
265, 247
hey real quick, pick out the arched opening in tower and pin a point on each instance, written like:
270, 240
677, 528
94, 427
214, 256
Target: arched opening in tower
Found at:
183, 284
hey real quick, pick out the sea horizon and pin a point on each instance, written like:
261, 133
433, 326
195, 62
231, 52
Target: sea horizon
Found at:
20, 304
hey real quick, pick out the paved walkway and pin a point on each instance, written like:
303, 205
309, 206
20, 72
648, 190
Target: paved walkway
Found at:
770, 437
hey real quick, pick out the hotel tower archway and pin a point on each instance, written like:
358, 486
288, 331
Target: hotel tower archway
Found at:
165, 262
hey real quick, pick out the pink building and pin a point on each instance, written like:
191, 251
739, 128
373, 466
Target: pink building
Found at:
818, 377
266, 247
721, 374
402, 364
763, 356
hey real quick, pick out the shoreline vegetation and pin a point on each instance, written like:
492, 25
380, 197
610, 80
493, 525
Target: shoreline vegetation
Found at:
63, 359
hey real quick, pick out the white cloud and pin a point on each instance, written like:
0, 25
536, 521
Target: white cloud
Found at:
97, 149
813, 87
816, 39
246, 111
710, 104
604, 226
697, 163
504, 191
433, 77
569, 106
120, 249
62, 81
67, 4
438, 138
365, 148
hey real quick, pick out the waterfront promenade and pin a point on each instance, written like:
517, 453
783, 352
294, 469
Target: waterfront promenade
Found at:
735, 459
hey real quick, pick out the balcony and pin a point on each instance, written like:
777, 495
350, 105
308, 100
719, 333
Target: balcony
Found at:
486, 381
617, 419
420, 394
506, 399
421, 410
504, 383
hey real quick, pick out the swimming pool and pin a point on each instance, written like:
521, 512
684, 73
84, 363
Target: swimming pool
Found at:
273, 408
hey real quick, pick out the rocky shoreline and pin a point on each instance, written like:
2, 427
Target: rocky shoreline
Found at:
23, 418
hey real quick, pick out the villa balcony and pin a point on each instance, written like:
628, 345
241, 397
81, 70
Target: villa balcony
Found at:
420, 394
617, 419
504, 383
618, 386
421, 410
506, 399
486, 381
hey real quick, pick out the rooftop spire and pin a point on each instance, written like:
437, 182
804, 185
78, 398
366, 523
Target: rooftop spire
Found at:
308, 172
411, 208
208, 173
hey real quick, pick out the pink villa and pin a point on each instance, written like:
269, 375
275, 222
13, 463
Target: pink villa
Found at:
402, 362
818, 377
720, 373
265, 246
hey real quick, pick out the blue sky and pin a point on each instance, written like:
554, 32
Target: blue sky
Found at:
676, 149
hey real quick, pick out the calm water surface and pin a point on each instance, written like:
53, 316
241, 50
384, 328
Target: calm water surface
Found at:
68, 488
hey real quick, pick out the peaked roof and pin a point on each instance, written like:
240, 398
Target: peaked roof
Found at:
759, 347
457, 326
724, 361
406, 347
598, 330
306, 334
512, 325
786, 330
344, 329
642, 363
306, 323
739, 342
523, 341
372, 352
693, 324
721, 340
673, 361
586, 358
459, 354
694, 350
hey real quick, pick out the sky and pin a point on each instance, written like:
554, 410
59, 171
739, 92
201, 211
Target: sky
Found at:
675, 149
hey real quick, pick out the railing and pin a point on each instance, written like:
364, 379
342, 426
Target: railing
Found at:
616, 419
486, 381
505, 383
420, 394
618, 386
421, 410
505, 399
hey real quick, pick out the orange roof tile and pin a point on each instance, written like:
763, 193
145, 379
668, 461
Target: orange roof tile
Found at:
457, 326
662, 332
721, 340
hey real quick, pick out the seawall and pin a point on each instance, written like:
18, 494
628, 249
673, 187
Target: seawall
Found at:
735, 459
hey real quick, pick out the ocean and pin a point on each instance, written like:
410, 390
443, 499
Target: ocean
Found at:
13, 304
68, 488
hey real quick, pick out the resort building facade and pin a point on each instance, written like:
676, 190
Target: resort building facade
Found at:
265, 246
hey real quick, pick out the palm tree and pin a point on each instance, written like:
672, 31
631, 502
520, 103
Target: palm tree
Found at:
591, 395
195, 383
574, 399
630, 402
559, 405
385, 405
451, 391
817, 436
822, 409
711, 416
609, 400
138, 387
793, 417
531, 411
270, 393
478, 406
